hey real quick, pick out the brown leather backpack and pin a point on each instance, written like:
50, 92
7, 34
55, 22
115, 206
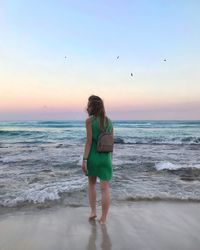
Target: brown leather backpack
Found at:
105, 142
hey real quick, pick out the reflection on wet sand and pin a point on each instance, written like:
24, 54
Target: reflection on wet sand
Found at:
105, 239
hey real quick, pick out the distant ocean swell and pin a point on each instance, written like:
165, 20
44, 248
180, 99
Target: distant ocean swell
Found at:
20, 133
150, 140
192, 140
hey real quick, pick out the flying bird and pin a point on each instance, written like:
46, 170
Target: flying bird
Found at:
164, 60
117, 57
131, 74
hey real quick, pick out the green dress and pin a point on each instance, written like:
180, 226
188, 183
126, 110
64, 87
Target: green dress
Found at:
99, 164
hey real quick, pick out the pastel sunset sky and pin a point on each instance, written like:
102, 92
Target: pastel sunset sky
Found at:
54, 54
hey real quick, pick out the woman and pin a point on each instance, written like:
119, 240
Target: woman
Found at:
97, 164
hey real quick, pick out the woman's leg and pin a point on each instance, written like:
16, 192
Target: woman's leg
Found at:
105, 200
92, 194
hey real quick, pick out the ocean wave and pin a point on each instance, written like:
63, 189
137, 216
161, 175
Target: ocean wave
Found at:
79, 200
161, 198
167, 165
173, 124
132, 125
41, 193
20, 132
60, 124
118, 140
171, 166
33, 124
158, 141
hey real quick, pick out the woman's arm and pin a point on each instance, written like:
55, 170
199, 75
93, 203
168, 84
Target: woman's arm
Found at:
113, 139
87, 144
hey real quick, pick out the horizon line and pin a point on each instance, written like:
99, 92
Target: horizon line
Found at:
49, 120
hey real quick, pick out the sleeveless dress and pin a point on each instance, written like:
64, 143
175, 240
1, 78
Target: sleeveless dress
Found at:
99, 164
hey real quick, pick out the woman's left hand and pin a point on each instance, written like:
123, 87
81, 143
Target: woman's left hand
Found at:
84, 167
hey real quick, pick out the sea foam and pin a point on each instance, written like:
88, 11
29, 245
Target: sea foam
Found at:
167, 165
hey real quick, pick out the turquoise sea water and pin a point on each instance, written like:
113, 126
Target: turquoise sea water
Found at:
40, 162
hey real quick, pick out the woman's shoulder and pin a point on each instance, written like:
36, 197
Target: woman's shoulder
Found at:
89, 119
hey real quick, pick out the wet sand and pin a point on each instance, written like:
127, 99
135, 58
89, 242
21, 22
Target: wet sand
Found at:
135, 225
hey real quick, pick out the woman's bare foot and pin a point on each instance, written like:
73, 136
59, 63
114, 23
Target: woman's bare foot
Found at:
92, 216
102, 222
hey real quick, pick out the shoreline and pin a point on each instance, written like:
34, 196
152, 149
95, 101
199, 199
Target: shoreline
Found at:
133, 225
36, 207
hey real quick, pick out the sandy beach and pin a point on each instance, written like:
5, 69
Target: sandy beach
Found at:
134, 225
